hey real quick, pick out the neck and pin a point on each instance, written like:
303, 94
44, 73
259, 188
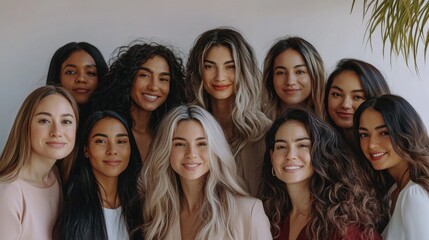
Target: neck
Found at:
400, 173
108, 188
299, 194
141, 120
193, 192
38, 171
221, 110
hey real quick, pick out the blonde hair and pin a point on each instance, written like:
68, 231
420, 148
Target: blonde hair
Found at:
160, 185
17, 150
250, 122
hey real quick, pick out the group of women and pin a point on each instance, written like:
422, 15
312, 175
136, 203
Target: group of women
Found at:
144, 149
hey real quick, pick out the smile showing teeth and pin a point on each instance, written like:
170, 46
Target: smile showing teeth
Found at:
292, 167
377, 154
150, 97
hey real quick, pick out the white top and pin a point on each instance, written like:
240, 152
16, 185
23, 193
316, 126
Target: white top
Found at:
410, 218
115, 224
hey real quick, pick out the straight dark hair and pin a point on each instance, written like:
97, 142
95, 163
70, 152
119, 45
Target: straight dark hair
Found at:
82, 216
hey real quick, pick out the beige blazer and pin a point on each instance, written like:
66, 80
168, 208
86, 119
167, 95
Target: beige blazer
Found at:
250, 221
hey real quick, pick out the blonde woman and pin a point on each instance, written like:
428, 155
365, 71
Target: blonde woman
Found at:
30, 191
223, 77
190, 187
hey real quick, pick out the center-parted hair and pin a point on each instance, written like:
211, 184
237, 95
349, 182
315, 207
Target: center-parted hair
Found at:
249, 121
314, 64
82, 215
116, 93
339, 198
160, 185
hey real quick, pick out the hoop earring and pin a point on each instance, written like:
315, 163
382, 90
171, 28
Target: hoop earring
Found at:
272, 172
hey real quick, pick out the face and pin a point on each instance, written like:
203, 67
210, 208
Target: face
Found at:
52, 128
291, 79
108, 148
291, 157
188, 156
151, 84
218, 73
376, 144
345, 96
79, 76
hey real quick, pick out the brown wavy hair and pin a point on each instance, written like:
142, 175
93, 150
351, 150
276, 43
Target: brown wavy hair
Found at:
339, 197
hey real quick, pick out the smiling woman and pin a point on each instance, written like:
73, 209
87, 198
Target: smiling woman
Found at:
100, 199
145, 80
189, 183
43, 133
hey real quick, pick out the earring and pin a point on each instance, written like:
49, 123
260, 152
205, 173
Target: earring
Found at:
272, 172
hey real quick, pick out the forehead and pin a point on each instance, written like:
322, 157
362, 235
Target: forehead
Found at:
218, 52
54, 104
108, 125
347, 80
371, 118
190, 128
291, 130
289, 56
79, 56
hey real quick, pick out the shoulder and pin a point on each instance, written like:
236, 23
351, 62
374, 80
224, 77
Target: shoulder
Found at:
414, 199
249, 206
11, 195
415, 190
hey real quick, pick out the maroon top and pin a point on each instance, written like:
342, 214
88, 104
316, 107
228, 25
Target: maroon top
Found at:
352, 233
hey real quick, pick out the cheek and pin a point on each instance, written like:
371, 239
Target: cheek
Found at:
66, 81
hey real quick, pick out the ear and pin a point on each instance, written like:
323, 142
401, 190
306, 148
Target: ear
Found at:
85, 151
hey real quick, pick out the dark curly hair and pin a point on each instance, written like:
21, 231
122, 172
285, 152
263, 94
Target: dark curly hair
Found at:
115, 94
339, 197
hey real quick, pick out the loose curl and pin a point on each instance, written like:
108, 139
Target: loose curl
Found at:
116, 95
409, 139
314, 64
249, 121
160, 185
339, 197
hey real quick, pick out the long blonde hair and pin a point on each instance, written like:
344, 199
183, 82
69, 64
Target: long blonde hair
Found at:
160, 186
17, 150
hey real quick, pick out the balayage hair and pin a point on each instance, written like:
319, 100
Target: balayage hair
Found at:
372, 81
116, 93
82, 216
338, 196
314, 64
249, 121
17, 150
161, 188
409, 139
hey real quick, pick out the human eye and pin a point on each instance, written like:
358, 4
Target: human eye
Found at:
43, 121
300, 72
335, 94
359, 98
165, 79
209, 66
178, 144
279, 147
280, 73
67, 122
100, 141
363, 135
122, 141
69, 72
230, 67
202, 144
384, 133
304, 145
92, 73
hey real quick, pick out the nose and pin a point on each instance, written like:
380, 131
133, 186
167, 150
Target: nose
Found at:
220, 75
55, 130
81, 78
372, 142
347, 103
191, 153
153, 84
290, 155
290, 79
112, 150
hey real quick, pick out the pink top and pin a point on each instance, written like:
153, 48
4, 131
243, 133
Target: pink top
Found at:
28, 212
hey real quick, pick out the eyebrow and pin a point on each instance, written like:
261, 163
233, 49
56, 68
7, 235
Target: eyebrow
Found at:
296, 140
152, 72
73, 65
297, 66
183, 139
227, 62
353, 91
50, 115
376, 128
104, 135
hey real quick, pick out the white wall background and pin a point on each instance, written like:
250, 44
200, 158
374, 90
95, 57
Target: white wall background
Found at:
31, 31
